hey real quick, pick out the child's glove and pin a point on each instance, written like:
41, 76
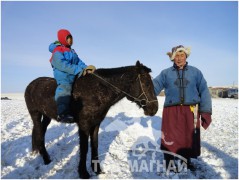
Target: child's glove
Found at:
88, 70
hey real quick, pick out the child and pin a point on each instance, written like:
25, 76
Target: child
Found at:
66, 65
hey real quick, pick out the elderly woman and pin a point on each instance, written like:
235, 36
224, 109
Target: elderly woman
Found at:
185, 90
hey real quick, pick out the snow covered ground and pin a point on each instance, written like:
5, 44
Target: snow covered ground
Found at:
124, 128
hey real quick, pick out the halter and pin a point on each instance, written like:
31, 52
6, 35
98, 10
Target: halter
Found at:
146, 101
142, 102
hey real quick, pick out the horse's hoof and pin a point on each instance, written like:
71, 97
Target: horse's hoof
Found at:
47, 161
84, 175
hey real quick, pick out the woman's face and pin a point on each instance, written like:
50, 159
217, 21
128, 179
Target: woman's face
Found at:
180, 59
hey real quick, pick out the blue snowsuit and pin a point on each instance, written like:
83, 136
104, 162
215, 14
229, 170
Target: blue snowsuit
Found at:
66, 65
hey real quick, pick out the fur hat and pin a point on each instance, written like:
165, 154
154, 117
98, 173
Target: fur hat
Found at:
177, 49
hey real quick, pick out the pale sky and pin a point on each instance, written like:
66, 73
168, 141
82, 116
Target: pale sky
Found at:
115, 34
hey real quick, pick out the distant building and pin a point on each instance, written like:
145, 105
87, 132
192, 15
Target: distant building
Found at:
219, 92
224, 92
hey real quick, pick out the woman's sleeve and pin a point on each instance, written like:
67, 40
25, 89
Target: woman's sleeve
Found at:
159, 82
206, 101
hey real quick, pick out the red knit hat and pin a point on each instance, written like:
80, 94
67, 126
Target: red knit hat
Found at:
62, 35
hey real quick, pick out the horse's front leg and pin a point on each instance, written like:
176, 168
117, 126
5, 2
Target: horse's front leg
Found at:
95, 164
82, 170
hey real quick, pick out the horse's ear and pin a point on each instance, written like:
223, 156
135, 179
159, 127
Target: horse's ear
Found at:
141, 68
138, 64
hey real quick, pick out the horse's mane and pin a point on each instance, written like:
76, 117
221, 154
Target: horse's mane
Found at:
121, 70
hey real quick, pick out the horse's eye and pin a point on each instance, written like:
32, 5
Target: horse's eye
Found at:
147, 84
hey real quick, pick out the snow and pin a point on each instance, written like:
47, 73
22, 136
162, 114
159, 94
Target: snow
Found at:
124, 129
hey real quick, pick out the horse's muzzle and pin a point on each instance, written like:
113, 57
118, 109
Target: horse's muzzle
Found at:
151, 108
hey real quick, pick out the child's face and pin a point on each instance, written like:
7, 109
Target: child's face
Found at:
69, 41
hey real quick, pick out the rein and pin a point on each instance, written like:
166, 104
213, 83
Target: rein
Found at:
143, 102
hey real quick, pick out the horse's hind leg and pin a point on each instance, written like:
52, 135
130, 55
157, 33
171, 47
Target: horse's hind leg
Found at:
38, 135
95, 164
45, 122
84, 136
36, 116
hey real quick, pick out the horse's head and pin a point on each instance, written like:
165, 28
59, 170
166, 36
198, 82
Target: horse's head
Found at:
142, 90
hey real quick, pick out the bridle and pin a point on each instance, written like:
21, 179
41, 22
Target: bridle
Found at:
142, 102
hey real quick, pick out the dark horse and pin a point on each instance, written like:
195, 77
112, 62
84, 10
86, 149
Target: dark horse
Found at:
92, 97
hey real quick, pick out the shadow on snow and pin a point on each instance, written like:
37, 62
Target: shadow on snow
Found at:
63, 150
